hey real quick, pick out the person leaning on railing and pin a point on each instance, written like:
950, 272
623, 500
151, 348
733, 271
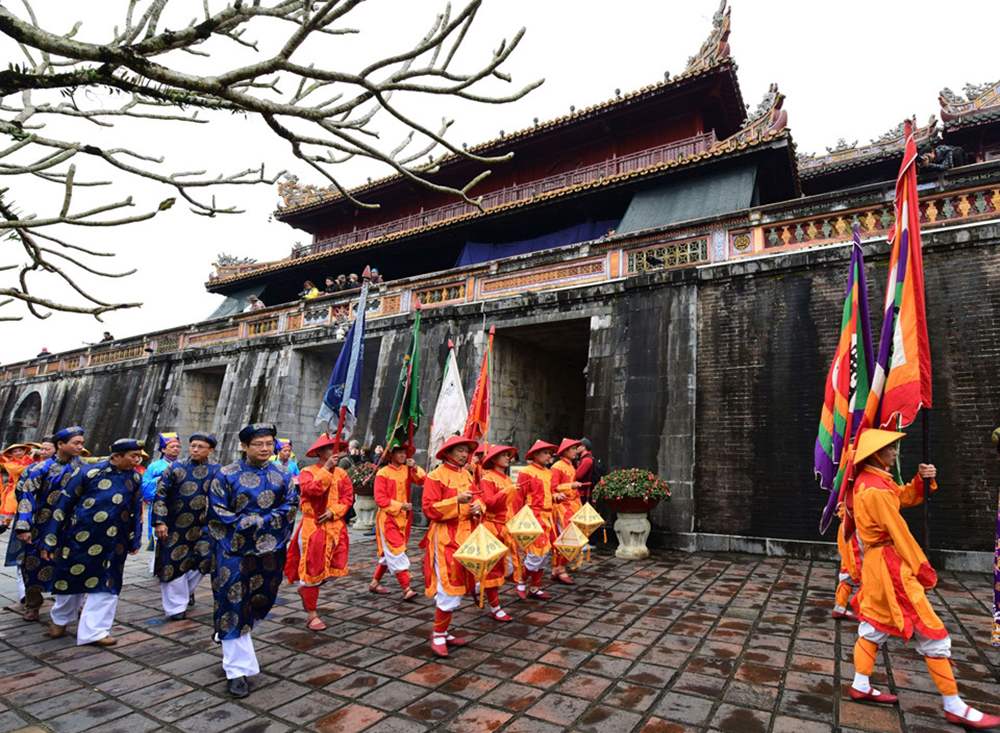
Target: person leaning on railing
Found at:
309, 290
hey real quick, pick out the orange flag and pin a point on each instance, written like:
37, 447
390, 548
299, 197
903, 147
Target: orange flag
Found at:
478, 423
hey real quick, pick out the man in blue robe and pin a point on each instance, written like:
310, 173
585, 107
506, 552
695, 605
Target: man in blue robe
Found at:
96, 523
36, 497
251, 513
180, 518
170, 451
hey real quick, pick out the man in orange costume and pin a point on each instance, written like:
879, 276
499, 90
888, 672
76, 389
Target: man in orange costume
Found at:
536, 483
564, 476
849, 576
14, 459
450, 506
503, 500
895, 574
395, 519
320, 545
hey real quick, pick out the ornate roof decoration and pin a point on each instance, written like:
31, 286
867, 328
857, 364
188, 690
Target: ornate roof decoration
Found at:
716, 46
294, 194
980, 104
767, 120
846, 155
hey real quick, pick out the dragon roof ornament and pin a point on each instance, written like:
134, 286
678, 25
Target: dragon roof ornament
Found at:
716, 46
846, 155
981, 100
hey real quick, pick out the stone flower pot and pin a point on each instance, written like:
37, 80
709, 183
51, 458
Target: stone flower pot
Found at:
632, 526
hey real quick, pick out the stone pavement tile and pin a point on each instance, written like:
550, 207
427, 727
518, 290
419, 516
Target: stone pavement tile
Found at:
305, 709
809, 683
431, 674
815, 665
51, 707
276, 694
294, 664
11, 721
767, 657
215, 718
659, 725
181, 706
357, 684
929, 724
625, 649
502, 666
467, 658
874, 718
394, 695
469, 685
397, 665
807, 705
651, 675
109, 672
732, 719
603, 719
678, 708
606, 666
753, 696
155, 694
478, 718
396, 725
530, 650
758, 674
11, 683
785, 724
584, 685
530, 725
323, 675
700, 684
191, 663
540, 675
49, 689
434, 708
666, 657
919, 703
559, 709
631, 696
89, 718
86, 662
722, 650
260, 725
512, 696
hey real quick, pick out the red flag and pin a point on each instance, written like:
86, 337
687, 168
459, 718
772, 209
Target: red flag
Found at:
478, 423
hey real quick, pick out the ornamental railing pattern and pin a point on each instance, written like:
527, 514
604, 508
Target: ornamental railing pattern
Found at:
668, 255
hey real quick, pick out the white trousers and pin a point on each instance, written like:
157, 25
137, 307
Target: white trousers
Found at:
925, 647
175, 593
238, 657
96, 620
20, 585
444, 600
534, 562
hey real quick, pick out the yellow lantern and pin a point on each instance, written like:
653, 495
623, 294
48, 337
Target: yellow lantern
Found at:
570, 542
480, 552
586, 519
524, 527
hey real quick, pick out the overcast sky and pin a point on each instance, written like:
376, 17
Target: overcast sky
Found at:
851, 69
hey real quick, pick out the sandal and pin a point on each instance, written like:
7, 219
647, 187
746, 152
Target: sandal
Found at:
409, 594
316, 624
378, 589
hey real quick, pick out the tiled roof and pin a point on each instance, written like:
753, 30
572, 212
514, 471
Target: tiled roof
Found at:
844, 155
980, 105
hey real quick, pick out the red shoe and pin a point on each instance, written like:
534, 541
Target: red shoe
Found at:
873, 695
502, 616
522, 594
438, 650
843, 615
409, 594
564, 579
987, 721
316, 624
539, 595
378, 589
457, 640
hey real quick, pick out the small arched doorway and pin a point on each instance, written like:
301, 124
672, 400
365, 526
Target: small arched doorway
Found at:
27, 416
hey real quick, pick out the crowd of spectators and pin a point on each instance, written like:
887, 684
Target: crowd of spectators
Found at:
339, 284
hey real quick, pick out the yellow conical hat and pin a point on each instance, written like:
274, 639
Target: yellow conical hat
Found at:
872, 441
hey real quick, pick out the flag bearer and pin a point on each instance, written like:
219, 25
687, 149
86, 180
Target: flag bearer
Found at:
251, 513
395, 519
451, 507
503, 501
535, 484
895, 576
849, 576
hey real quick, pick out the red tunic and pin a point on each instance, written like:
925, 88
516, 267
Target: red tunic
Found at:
535, 484
324, 545
392, 490
503, 500
450, 525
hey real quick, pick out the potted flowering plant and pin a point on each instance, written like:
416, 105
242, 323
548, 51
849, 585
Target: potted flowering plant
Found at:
632, 492
362, 477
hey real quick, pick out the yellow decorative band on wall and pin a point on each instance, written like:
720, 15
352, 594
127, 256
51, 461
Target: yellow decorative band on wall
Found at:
667, 255
213, 337
580, 272
442, 294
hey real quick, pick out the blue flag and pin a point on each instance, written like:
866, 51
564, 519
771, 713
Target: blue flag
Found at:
343, 391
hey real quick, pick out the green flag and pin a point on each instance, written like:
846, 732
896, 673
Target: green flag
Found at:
405, 417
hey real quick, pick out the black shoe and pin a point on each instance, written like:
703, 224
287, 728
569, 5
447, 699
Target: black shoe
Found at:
178, 616
238, 687
190, 600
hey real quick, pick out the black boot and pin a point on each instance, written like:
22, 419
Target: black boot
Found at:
238, 687
178, 616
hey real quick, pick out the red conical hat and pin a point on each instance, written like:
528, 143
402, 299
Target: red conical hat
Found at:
566, 444
539, 445
496, 450
452, 442
323, 441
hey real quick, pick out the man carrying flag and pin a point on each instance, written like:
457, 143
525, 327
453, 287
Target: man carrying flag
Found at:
847, 387
343, 392
451, 412
477, 424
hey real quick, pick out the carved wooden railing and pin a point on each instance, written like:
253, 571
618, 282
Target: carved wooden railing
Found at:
762, 231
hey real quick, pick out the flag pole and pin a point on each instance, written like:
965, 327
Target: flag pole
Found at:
926, 424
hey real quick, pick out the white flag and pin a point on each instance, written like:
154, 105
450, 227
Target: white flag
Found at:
451, 410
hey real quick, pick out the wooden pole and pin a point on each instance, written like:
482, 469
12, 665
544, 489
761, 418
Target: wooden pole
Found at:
927, 484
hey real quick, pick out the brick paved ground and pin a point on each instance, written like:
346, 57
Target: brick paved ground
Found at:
675, 644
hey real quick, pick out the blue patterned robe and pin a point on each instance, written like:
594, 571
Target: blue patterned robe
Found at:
182, 505
96, 522
15, 548
36, 497
251, 513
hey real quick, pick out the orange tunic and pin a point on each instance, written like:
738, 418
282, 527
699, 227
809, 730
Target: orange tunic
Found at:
319, 550
392, 490
535, 484
895, 571
450, 525
503, 500
850, 551
13, 467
